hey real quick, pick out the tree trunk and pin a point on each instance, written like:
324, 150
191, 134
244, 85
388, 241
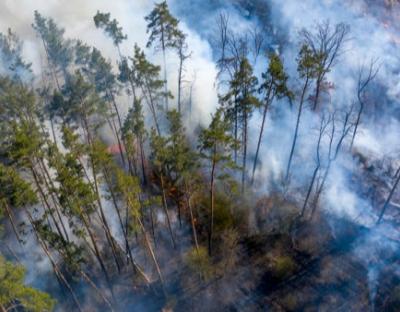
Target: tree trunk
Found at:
317, 91
134, 265
45, 201
50, 185
297, 128
187, 195
388, 199
151, 251
321, 188
142, 160
121, 145
180, 84
10, 217
260, 135
57, 271
165, 206
236, 128
165, 79
309, 190
356, 125
210, 233
244, 153
53, 132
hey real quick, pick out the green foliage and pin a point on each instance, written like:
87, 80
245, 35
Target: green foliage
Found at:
79, 103
182, 160
159, 153
216, 143
308, 62
229, 250
134, 121
147, 75
58, 50
163, 27
128, 187
199, 262
73, 255
25, 143
240, 101
275, 79
13, 292
283, 266
110, 27
13, 65
14, 189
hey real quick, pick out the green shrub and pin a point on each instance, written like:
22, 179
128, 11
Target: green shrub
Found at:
199, 262
283, 266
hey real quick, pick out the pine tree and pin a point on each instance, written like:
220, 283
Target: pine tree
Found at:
159, 158
164, 34
307, 68
15, 295
274, 85
182, 161
58, 50
183, 54
13, 65
147, 78
215, 145
243, 90
111, 28
134, 131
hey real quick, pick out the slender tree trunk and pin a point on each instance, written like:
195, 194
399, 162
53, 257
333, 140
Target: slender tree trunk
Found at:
45, 201
53, 132
97, 251
165, 79
180, 84
142, 160
309, 190
57, 271
50, 186
386, 204
151, 251
321, 188
98, 291
317, 91
187, 195
210, 233
244, 153
121, 142
165, 206
10, 217
104, 222
297, 128
236, 129
152, 226
134, 265
150, 103
178, 205
356, 125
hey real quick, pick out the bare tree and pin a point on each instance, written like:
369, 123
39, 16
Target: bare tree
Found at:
389, 198
322, 128
364, 79
327, 42
336, 140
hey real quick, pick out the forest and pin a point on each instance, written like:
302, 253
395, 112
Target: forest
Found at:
224, 155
